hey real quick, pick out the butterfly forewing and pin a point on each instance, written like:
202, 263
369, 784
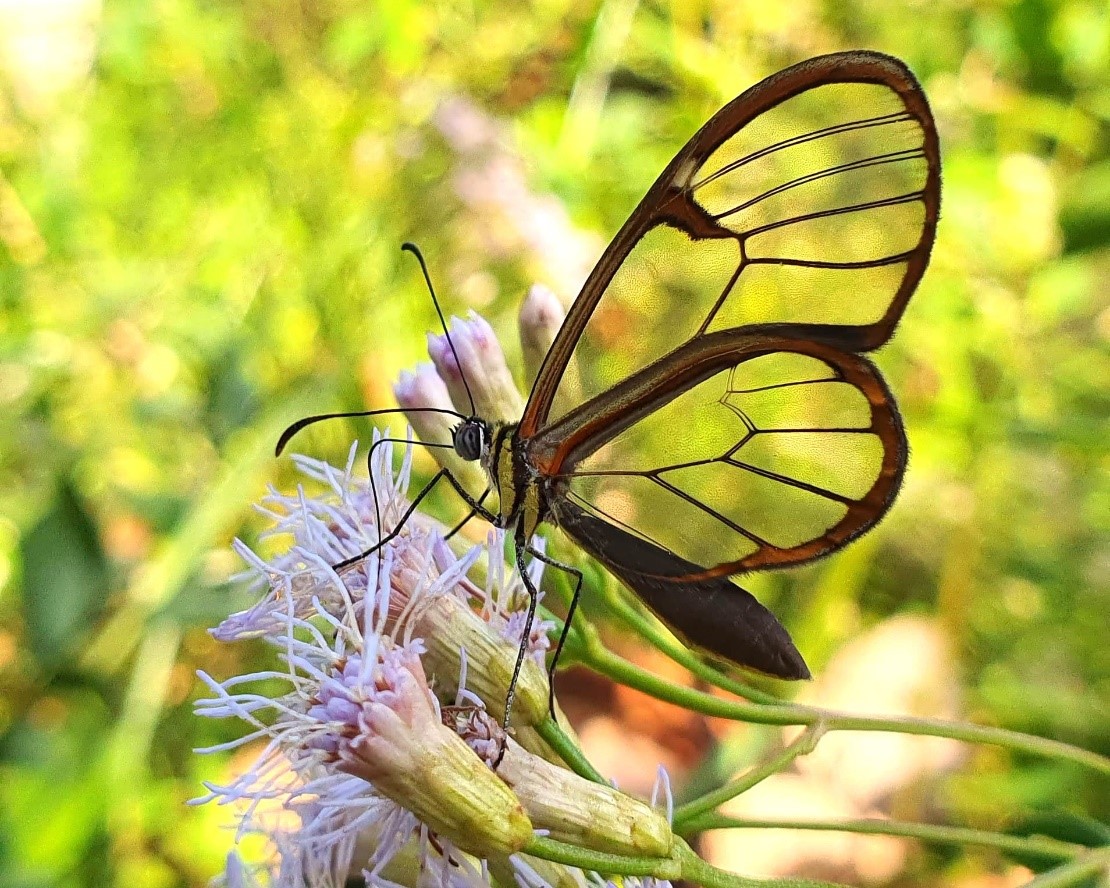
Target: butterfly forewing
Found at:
810, 200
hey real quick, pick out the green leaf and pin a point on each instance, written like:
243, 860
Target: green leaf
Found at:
1062, 825
65, 577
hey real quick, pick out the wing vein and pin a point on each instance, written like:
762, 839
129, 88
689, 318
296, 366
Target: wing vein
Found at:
816, 176
728, 522
909, 197
791, 482
835, 129
893, 259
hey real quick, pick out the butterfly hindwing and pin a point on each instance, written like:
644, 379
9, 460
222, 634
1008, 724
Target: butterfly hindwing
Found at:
779, 452
712, 614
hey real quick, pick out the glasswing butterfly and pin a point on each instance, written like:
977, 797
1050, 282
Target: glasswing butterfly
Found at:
706, 408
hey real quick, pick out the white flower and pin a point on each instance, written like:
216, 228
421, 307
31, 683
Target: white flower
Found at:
357, 745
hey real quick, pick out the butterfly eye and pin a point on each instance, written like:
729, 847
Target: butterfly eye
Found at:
469, 440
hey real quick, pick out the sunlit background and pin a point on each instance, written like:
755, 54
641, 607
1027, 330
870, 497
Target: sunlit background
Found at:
201, 208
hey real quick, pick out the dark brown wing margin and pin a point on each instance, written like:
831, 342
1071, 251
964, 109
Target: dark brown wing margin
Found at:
669, 201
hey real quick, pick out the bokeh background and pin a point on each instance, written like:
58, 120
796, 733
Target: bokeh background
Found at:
201, 208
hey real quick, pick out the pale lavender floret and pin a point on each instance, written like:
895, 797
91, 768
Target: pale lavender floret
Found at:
477, 356
421, 387
350, 693
504, 604
359, 705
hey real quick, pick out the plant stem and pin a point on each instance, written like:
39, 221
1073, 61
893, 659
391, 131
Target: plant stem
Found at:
702, 873
600, 861
651, 632
691, 811
1079, 870
926, 832
682, 864
606, 662
568, 751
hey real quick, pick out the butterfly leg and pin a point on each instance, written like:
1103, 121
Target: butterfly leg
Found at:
577, 574
373, 486
533, 599
475, 505
473, 511
354, 559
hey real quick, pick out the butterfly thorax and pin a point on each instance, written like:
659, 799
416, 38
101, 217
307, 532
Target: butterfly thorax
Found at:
517, 485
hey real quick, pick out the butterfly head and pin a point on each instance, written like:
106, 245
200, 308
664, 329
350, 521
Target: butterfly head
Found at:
471, 438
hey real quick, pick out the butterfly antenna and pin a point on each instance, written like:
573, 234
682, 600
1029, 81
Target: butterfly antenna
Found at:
321, 417
410, 247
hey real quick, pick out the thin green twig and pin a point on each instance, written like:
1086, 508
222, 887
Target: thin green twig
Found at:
1077, 871
683, 864
691, 811
602, 862
700, 872
603, 660
654, 634
1050, 849
568, 750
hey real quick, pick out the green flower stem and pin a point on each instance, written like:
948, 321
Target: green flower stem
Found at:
702, 873
683, 864
602, 660
1051, 849
692, 811
650, 630
568, 750
601, 862
1077, 872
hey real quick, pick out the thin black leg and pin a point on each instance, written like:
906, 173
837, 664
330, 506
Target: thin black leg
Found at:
370, 476
533, 600
577, 574
354, 559
475, 505
454, 530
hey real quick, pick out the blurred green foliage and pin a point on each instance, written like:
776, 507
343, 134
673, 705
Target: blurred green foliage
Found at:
201, 205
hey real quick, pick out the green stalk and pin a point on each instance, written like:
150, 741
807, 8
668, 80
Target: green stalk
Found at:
926, 832
698, 871
1076, 872
602, 660
655, 635
567, 750
692, 811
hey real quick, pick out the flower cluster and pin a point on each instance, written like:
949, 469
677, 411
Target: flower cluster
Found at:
385, 754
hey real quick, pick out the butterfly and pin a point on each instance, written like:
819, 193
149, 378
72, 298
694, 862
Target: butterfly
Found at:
707, 407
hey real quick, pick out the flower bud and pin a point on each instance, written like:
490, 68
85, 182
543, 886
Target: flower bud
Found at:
581, 812
541, 316
448, 627
570, 808
477, 357
423, 387
403, 749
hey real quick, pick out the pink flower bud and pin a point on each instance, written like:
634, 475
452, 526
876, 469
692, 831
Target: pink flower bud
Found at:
478, 359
